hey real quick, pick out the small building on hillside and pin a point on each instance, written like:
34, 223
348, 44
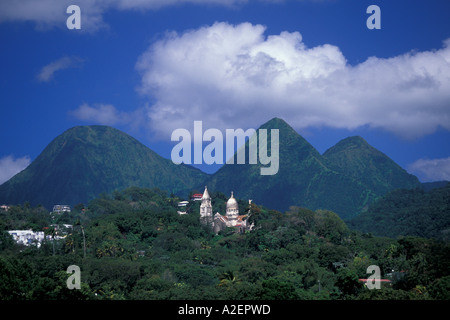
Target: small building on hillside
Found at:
182, 205
196, 197
60, 208
27, 237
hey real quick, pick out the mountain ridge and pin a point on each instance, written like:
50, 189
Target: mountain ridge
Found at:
85, 161
361, 160
307, 178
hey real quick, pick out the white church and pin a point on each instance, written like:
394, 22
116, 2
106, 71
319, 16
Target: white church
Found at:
219, 222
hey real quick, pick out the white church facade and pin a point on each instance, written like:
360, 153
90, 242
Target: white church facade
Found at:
219, 222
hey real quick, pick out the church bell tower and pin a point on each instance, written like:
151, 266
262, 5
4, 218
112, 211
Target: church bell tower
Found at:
206, 216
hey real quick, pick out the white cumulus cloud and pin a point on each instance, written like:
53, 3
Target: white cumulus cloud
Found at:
429, 170
10, 166
233, 76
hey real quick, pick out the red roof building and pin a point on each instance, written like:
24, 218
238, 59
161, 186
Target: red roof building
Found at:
197, 196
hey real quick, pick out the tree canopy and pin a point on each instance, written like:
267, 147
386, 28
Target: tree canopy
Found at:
138, 247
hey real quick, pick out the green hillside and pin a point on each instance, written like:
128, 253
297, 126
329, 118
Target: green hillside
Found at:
414, 212
133, 245
301, 170
85, 161
346, 179
357, 159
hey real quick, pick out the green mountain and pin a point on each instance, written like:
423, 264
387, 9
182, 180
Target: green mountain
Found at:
299, 165
85, 161
413, 212
357, 159
308, 179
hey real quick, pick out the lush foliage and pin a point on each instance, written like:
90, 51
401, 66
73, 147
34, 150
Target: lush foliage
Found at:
408, 212
136, 246
372, 168
345, 179
86, 161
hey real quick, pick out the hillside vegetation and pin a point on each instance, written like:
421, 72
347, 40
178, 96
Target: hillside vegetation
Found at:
414, 212
85, 161
138, 247
345, 179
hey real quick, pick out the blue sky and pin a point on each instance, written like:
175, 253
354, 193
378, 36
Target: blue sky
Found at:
148, 67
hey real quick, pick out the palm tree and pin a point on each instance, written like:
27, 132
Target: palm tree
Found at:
227, 278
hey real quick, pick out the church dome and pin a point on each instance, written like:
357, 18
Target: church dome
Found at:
232, 203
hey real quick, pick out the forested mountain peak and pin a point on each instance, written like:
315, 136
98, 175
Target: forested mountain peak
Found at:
352, 142
85, 161
356, 158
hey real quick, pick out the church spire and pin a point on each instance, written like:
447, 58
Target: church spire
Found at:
206, 209
206, 195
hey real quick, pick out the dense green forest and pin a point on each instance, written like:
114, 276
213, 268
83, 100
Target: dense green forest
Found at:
133, 245
415, 212
346, 179
85, 161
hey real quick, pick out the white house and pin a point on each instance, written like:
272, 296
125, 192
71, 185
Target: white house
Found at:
27, 237
183, 203
60, 208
